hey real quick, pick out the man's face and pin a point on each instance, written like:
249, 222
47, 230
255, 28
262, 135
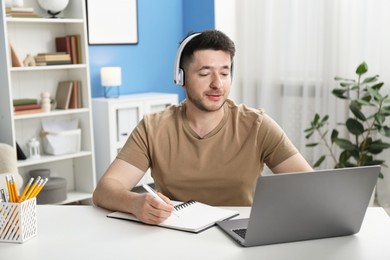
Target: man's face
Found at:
208, 79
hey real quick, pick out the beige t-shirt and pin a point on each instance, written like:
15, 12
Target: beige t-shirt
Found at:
218, 169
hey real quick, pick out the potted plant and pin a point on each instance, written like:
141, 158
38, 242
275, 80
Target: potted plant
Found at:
364, 127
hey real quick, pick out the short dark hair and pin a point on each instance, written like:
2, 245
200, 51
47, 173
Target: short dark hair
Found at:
207, 40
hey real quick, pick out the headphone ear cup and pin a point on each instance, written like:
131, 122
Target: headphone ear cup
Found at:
178, 72
181, 80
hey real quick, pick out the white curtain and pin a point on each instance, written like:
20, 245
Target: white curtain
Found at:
289, 51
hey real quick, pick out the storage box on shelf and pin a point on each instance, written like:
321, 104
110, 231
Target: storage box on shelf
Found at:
33, 36
115, 119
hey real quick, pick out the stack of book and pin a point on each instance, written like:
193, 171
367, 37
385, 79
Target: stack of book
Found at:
71, 45
25, 12
57, 58
26, 106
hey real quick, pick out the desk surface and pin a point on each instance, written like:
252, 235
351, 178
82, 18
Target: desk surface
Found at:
84, 232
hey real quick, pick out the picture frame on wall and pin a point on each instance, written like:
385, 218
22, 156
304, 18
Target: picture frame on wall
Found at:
112, 22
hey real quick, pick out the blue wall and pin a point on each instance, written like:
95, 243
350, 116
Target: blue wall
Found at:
148, 65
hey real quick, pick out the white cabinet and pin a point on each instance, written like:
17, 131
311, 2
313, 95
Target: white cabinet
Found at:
37, 35
115, 118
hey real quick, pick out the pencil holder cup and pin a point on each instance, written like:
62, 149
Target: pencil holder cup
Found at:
18, 221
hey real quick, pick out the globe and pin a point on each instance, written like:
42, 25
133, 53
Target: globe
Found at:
53, 7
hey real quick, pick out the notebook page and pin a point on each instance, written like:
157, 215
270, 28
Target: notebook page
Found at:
195, 216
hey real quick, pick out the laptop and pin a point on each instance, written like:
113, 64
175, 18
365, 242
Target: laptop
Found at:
303, 206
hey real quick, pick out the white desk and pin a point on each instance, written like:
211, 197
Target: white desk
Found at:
84, 232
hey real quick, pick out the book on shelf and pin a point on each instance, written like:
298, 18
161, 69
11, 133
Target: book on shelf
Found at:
73, 45
27, 107
70, 44
63, 93
75, 97
58, 56
47, 63
191, 216
23, 12
24, 101
63, 45
29, 111
19, 9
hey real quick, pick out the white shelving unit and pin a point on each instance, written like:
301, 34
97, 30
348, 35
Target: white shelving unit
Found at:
37, 35
115, 118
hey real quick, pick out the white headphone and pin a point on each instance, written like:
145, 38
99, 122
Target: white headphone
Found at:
178, 72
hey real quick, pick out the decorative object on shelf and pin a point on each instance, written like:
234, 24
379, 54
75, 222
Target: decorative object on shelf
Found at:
15, 60
19, 153
61, 136
111, 77
29, 61
53, 7
45, 101
33, 146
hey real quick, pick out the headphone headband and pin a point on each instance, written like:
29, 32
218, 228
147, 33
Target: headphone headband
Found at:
178, 73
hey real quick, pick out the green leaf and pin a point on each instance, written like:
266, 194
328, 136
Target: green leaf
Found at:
312, 144
375, 94
364, 102
378, 86
310, 129
346, 84
374, 162
324, 119
345, 144
356, 110
319, 161
309, 135
370, 79
386, 108
379, 145
338, 92
367, 98
344, 156
334, 135
385, 130
316, 118
361, 69
354, 126
337, 78
379, 118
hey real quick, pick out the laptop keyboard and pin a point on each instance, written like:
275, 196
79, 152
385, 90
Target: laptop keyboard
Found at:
241, 232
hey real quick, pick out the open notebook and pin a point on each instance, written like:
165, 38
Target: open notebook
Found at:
191, 216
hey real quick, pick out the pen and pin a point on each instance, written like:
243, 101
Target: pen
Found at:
3, 198
154, 194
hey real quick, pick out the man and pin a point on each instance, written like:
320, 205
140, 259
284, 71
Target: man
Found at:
207, 148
